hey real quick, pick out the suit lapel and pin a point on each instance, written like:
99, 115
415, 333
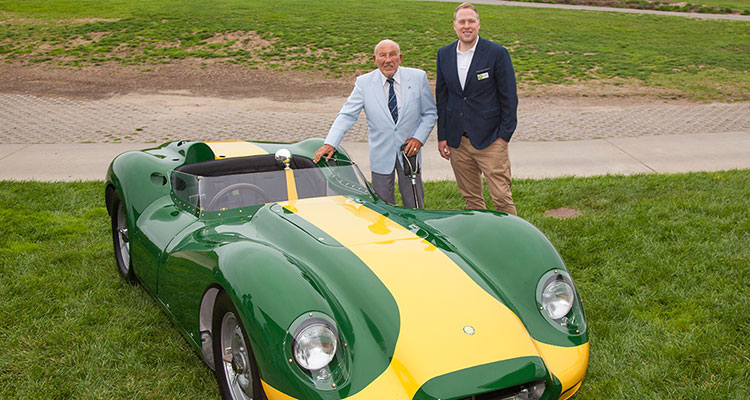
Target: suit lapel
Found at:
406, 92
452, 65
476, 60
377, 87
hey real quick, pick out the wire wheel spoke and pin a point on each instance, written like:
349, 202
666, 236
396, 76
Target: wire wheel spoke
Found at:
236, 359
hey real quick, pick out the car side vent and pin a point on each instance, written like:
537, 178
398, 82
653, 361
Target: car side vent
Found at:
527, 391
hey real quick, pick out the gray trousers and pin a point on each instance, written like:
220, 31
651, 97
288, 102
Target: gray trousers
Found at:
384, 185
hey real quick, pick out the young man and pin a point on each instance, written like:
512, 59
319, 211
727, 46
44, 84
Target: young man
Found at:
400, 109
477, 103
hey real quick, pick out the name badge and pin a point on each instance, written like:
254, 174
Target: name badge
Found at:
483, 75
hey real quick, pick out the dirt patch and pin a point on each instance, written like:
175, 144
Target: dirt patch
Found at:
188, 77
562, 213
249, 41
91, 20
596, 94
93, 37
196, 78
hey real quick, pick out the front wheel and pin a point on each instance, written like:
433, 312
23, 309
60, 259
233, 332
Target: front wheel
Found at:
121, 240
236, 370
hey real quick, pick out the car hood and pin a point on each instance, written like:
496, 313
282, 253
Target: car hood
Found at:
442, 318
447, 321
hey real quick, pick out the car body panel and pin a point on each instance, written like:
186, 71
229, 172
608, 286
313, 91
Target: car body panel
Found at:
567, 364
492, 376
456, 300
421, 299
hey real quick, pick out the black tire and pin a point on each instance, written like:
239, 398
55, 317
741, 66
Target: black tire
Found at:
235, 367
121, 240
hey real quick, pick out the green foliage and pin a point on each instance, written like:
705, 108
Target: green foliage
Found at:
661, 262
337, 37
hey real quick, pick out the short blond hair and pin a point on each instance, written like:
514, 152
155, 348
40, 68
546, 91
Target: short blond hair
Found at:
465, 5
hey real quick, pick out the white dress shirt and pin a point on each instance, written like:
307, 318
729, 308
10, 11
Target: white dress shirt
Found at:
396, 88
463, 61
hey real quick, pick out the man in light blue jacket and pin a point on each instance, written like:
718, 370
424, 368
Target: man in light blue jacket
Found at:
400, 109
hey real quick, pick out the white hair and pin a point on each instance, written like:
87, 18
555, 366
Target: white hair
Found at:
386, 41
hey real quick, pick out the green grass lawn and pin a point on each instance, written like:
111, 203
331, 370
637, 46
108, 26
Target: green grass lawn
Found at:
661, 262
700, 59
733, 4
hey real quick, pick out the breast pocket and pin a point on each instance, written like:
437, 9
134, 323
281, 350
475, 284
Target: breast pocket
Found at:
482, 74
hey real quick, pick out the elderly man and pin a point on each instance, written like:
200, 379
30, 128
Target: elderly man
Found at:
477, 104
400, 109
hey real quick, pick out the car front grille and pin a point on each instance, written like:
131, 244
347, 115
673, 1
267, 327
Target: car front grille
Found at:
520, 392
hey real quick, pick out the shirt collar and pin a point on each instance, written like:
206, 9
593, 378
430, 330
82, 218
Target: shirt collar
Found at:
396, 77
471, 50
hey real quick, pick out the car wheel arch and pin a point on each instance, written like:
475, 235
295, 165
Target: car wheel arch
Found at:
206, 321
109, 195
205, 324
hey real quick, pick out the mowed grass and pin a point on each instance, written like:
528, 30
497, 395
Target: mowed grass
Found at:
70, 328
733, 4
699, 59
661, 261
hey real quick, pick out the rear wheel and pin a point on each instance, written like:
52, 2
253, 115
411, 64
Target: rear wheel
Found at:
121, 240
236, 370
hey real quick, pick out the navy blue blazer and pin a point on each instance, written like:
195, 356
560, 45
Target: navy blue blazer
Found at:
486, 108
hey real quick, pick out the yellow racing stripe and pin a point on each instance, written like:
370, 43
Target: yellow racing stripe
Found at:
435, 298
291, 186
234, 148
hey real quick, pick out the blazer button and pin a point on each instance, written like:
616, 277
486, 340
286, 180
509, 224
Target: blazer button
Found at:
464, 98
461, 115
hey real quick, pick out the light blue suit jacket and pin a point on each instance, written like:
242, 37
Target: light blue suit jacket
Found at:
417, 116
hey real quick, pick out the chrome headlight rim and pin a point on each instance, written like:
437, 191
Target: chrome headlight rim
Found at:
309, 327
336, 372
298, 326
571, 321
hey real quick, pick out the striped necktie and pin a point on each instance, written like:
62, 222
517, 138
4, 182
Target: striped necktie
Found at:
392, 104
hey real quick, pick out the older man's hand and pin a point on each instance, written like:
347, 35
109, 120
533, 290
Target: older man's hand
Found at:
412, 146
325, 150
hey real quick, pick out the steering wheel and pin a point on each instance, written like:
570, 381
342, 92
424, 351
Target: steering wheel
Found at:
237, 186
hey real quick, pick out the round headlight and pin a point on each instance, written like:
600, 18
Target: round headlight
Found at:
557, 299
314, 346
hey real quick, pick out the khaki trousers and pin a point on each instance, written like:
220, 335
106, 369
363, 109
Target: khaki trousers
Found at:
469, 164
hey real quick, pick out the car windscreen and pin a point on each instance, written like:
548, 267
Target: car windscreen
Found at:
215, 193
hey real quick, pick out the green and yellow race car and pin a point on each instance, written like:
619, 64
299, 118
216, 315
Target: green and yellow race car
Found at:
292, 280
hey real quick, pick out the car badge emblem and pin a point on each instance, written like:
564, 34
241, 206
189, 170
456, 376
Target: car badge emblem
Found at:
469, 330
